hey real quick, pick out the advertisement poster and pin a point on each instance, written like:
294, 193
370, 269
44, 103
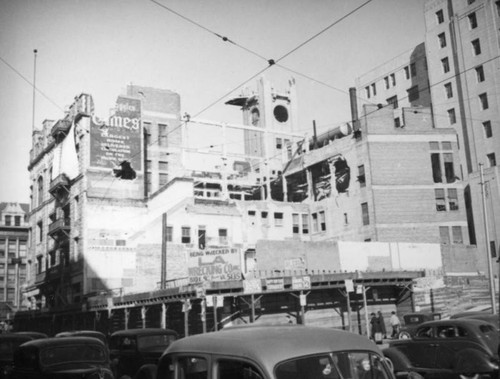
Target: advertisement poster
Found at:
120, 138
214, 265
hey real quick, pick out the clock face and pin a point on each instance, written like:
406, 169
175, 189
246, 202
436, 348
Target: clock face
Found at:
281, 113
255, 116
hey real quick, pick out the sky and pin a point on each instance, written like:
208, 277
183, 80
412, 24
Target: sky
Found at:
101, 46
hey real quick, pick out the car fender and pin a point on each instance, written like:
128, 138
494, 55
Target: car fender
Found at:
146, 372
473, 361
400, 362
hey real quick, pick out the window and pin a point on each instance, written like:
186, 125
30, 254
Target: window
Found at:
472, 20
163, 178
314, 222
452, 116
148, 181
440, 200
449, 90
488, 133
397, 122
305, 224
491, 159
445, 63
407, 72
2, 247
263, 215
40, 231
163, 166
186, 234
23, 248
202, 237
40, 191
191, 367
456, 231
170, 233
386, 80
148, 165
17, 220
476, 47
278, 219
322, 221
162, 135
413, 93
442, 39
346, 219
231, 369
8, 220
367, 89
436, 168
413, 69
393, 79
361, 176
364, 213
295, 223
440, 16
480, 74
223, 236
147, 133
12, 248
279, 143
449, 170
251, 213
374, 89
452, 199
483, 99
393, 100
444, 235
493, 249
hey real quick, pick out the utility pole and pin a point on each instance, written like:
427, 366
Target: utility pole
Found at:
487, 243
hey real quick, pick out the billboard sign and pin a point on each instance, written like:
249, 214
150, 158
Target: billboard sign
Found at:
120, 138
214, 265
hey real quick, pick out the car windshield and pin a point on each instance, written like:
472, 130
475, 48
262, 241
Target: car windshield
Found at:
161, 340
72, 353
353, 365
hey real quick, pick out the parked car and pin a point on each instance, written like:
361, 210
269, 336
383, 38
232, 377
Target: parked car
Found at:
71, 357
412, 320
482, 315
84, 333
9, 342
33, 335
135, 350
448, 349
274, 352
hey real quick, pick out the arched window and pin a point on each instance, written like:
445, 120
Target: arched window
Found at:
40, 191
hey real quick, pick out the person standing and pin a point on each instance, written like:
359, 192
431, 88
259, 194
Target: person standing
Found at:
375, 327
382, 324
395, 323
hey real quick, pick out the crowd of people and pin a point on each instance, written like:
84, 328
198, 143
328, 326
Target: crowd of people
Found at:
378, 329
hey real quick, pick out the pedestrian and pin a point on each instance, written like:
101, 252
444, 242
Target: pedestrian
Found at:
395, 323
375, 334
382, 324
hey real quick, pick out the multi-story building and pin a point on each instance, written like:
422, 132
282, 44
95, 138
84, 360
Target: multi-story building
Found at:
459, 80
13, 250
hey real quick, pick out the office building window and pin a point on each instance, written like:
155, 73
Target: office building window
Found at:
436, 168
440, 16
361, 176
295, 223
314, 222
322, 221
148, 165
40, 231
476, 47
162, 135
278, 219
186, 234
488, 133
491, 159
483, 99
2, 247
17, 220
480, 74
442, 40
444, 235
367, 89
452, 116
202, 237
163, 178
446, 145
472, 20
445, 63
8, 220
12, 248
397, 122
147, 133
449, 90
305, 224
223, 236
440, 200
364, 214
393, 100
23, 248
407, 72
452, 199
163, 166
170, 233
40, 190
456, 231
393, 79
413, 93
449, 169
263, 215
386, 80
374, 89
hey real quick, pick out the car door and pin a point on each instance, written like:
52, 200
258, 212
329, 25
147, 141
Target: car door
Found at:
449, 341
421, 349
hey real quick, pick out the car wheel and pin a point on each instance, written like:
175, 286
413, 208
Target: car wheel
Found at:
404, 336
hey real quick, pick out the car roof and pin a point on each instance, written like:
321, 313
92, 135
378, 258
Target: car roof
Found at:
56, 341
270, 345
142, 332
456, 321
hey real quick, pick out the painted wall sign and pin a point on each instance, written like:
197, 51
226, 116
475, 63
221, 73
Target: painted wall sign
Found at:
119, 139
214, 265
275, 284
301, 282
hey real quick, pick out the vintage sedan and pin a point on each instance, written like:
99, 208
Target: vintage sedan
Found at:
412, 320
135, 352
70, 357
454, 348
274, 352
9, 342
